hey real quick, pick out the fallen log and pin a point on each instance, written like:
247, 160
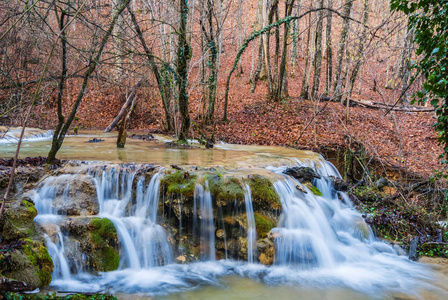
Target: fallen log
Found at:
378, 105
125, 106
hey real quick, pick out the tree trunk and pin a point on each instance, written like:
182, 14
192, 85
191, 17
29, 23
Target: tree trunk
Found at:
282, 86
309, 61
361, 47
183, 57
329, 51
164, 90
337, 88
318, 52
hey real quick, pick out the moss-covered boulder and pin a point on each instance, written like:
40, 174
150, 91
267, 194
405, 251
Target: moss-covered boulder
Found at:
226, 190
179, 183
263, 193
26, 261
103, 242
17, 221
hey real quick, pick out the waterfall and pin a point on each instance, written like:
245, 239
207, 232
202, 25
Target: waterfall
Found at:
57, 252
143, 241
318, 240
251, 229
207, 225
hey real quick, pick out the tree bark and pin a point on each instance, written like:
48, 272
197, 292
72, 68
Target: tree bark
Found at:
329, 50
125, 106
183, 57
318, 52
337, 88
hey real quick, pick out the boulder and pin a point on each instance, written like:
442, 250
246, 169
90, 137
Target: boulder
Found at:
303, 174
76, 196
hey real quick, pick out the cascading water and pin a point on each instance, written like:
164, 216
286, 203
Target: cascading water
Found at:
319, 240
145, 243
207, 226
251, 229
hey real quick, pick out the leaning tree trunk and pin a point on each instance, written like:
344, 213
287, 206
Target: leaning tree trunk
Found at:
337, 88
163, 91
62, 128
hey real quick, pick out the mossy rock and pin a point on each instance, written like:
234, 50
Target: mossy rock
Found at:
263, 193
313, 189
103, 239
263, 225
225, 189
180, 183
17, 222
30, 263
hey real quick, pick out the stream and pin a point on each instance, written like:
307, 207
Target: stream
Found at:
323, 247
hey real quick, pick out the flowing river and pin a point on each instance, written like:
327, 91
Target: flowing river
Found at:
323, 247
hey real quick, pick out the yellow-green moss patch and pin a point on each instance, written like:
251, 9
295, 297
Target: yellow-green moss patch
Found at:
313, 189
263, 225
179, 182
263, 193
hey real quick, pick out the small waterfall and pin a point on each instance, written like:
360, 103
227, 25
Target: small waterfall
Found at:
57, 252
207, 225
144, 242
251, 229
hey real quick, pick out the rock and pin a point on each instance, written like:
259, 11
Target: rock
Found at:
302, 174
75, 196
181, 259
220, 234
339, 184
17, 221
95, 140
267, 251
380, 183
26, 261
413, 254
301, 188
8, 285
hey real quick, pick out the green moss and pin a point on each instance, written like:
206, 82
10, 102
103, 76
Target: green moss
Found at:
18, 222
368, 193
180, 182
225, 189
41, 261
106, 259
101, 229
31, 209
313, 189
263, 225
103, 238
263, 193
